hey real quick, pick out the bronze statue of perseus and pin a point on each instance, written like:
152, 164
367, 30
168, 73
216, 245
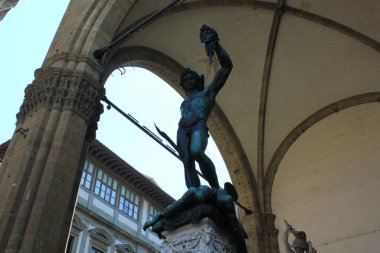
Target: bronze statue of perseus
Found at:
192, 134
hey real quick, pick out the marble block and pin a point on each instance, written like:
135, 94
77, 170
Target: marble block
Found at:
203, 237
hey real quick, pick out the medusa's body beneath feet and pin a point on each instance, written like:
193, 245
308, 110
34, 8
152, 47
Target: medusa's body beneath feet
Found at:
202, 201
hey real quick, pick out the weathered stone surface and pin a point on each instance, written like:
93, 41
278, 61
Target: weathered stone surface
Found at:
204, 237
64, 90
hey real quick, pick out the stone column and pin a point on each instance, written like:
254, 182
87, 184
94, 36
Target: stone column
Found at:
41, 171
269, 234
251, 224
262, 234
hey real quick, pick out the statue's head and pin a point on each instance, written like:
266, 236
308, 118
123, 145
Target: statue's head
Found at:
191, 80
230, 189
300, 243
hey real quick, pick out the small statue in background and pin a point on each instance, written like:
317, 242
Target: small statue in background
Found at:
300, 243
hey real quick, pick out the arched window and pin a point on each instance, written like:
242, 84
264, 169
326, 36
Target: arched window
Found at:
100, 240
77, 227
124, 248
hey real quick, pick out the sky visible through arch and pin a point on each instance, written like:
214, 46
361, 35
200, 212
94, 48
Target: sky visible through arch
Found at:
151, 101
26, 33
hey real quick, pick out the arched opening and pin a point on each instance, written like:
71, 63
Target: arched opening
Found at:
225, 137
149, 100
328, 178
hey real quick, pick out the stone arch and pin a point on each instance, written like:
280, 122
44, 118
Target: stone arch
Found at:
301, 128
220, 128
327, 182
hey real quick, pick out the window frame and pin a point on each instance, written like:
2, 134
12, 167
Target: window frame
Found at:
84, 179
155, 211
100, 239
102, 187
134, 212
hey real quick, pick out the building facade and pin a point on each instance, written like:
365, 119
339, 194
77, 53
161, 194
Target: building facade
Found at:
113, 203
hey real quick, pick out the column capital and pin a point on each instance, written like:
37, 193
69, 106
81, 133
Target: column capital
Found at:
65, 90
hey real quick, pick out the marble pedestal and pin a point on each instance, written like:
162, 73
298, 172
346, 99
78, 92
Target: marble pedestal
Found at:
204, 237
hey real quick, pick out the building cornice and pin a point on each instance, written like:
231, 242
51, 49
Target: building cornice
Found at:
120, 167
130, 174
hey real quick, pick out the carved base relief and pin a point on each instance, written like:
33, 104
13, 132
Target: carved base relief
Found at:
204, 237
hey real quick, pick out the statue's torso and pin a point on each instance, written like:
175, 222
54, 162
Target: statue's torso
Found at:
196, 107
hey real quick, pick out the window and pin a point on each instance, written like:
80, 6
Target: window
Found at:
87, 174
152, 212
129, 203
106, 187
100, 240
95, 250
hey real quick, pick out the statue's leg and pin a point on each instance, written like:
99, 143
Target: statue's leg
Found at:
183, 146
197, 149
152, 222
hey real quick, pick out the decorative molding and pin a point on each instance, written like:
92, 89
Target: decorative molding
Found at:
116, 230
77, 225
301, 128
100, 238
66, 57
204, 240
66, 91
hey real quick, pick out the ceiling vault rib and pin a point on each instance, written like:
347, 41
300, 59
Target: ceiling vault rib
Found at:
334, 25
263, 99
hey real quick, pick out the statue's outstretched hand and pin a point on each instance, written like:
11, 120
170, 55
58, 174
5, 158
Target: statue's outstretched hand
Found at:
288, 226
210, 38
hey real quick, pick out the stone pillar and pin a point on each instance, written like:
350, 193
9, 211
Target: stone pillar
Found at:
269, 234
262, 234
41, 171
202, 237
252, 226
